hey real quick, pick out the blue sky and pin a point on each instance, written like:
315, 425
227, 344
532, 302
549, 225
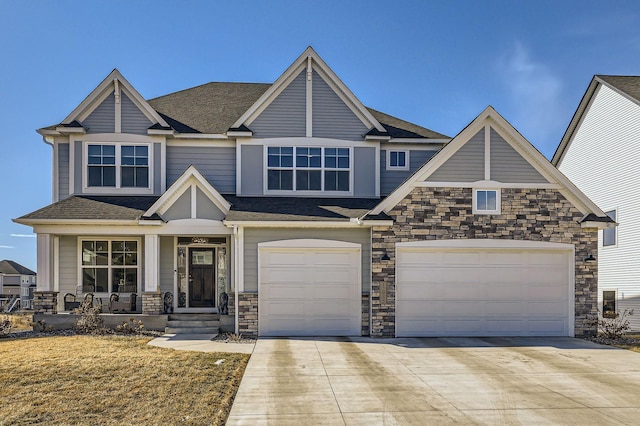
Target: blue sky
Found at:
435, 63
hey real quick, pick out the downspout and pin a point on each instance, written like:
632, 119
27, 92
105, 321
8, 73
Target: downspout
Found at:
235, 274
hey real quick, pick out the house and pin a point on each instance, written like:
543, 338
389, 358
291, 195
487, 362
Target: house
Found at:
609, 113
17, 283
293, 209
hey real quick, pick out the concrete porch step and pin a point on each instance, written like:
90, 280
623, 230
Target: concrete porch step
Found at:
194, 317
191, 330
193, 324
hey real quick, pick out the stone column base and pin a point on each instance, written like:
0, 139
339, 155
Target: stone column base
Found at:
152, 303
45, 302
248, 314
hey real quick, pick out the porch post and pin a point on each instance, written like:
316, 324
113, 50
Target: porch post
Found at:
45, 296
151, 297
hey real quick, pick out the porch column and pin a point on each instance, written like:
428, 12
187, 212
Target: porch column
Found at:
151, 297
45, 296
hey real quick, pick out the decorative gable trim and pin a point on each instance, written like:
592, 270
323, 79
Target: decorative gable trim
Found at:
310, 61
489, 118
113, 84
191, 178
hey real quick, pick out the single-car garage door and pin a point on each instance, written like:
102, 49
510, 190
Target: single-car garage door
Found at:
309, 288
488, 288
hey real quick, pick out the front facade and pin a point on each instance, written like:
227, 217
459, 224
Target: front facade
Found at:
293, 209
609, 116
17, 284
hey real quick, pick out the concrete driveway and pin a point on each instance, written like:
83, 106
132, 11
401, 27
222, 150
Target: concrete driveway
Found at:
362, 381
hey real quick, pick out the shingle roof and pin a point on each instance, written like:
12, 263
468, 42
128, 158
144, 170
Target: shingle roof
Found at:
10, 267
625, 83
87, 207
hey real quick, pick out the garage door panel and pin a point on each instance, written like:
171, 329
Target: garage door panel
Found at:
284, 292
323, 258
483, 291
331, 293
284, 258
288, 308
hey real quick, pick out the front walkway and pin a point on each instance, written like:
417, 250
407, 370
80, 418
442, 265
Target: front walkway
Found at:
200, 343
363, 381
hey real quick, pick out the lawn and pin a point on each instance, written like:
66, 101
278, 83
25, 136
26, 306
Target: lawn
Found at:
632, 342
113, 380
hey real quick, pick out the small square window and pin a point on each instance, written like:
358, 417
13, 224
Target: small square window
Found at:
486, 201
397, 160
609, 234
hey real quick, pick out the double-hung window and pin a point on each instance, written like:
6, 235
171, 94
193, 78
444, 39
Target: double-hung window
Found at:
308, 169
118, 166
109, 266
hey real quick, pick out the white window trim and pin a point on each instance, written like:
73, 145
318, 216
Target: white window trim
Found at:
110, 189
322, 169
138, 267
615, 230
498, 209
601, 298
406, 159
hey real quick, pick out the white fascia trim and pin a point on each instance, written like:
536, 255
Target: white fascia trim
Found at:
290, 224
419, 141
75, 130
240, 134
84, 222
48, 132
179, 186
485, 243
486, 184
200, 136
228, 143
309, 243
377, 138
599, 225
160, 132
410, 147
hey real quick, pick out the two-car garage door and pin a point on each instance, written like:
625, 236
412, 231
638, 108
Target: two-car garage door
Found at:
309, 288
512, 289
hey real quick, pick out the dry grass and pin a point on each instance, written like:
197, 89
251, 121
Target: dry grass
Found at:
113, 380
632, 342
20, 322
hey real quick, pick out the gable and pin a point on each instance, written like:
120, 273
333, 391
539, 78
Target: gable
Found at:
103, 118
466, 165
507, 165
180, 209
133, 119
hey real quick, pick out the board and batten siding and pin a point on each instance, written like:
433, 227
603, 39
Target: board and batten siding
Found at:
132, 119
252, 168
63, 171
331, 117
285, 116
507, 165
217, 165
391, 179
103, 118
607, 141
466, 165
166, 264
254, 236
67, 268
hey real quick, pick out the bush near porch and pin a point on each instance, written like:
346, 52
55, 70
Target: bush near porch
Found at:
113, 380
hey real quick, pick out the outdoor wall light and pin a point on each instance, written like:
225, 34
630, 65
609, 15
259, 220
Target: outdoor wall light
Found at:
385, 256
590, 258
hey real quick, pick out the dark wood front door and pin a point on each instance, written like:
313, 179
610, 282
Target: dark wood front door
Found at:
201, 278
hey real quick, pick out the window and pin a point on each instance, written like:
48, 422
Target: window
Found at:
109, 266
486, 201
609, 304
118, 166
397, 160
609, 234
308, 169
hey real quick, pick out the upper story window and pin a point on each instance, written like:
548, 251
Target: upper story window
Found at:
117, 165
308, 169
609, 234
486, 201
397, 160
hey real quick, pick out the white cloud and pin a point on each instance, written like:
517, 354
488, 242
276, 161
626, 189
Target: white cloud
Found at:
535, 93
24, 235
7, 247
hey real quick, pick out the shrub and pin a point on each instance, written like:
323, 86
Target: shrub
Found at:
89, 320
131, 327
41, 326
612, 326
5, 326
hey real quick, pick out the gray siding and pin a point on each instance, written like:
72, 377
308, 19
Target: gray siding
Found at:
364, 171
391, 179
181, 209
166, 264
77, 167
63, 171
68, 267
205, 209
103, 118
11, 280
466, 165
286, 115
252, 169
331, 117
217, 165
509, 166
252, 237
157, 169
132, 119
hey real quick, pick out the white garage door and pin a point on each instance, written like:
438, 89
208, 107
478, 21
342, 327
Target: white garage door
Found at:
309, 288
482, 291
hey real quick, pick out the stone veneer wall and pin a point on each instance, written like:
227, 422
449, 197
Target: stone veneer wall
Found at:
366, 309
231, 306
446, 213
45, 302
152, 303
248, 314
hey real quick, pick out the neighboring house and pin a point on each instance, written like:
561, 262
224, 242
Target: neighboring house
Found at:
17, 281
599, 152
313, 214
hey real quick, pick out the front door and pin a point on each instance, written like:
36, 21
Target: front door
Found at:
202, 277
